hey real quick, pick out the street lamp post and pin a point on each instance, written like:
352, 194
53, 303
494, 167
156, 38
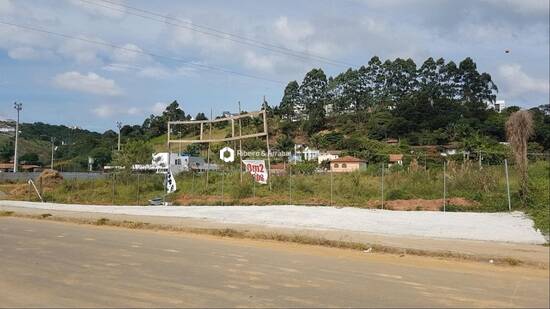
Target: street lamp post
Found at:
119, 126
18, 107
53, 148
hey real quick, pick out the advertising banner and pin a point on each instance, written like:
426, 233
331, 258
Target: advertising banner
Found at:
257, 169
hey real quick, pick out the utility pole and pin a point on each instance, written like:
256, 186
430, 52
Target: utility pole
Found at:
119, 126
18, 107
240, 145
53, 149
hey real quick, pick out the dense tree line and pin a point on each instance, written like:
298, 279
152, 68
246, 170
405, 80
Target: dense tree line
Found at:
435, 103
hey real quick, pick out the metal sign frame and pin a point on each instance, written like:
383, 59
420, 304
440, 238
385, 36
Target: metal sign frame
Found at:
233, 137
211, 121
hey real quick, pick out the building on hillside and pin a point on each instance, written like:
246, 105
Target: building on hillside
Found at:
498, 105
31, 168
328, 156
178, 163
310, 154
395, 159
6, 167
347, 164
392, 141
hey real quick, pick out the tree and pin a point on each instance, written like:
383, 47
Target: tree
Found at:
29, 158
313, 97
102, 156
289, 102
157, 125
133, 152
519, 128
6, 151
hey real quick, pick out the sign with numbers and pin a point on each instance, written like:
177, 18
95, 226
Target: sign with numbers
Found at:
257, 169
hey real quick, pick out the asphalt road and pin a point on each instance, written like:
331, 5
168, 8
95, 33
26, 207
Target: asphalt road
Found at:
51, 264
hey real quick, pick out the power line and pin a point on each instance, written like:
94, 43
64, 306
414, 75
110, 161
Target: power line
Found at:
140, 51
219, 33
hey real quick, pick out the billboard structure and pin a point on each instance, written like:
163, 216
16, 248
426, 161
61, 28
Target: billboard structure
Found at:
236, 133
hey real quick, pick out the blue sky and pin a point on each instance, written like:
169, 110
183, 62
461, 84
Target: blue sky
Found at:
73, 82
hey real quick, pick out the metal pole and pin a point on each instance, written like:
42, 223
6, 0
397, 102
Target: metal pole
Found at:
53, 148
138, 189
222, 185
18, 107
382, 185
240, 145
193, 182
113, 192
290, 183
479, 159
119, 126
208, 153
331, 187
445, 186
507, 185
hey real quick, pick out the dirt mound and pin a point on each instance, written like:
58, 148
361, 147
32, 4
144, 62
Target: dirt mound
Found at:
422, 204
49, 178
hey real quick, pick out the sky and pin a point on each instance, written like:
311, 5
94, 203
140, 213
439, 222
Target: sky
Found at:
91, 63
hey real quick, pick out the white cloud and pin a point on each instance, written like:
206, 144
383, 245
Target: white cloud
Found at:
104, 111
158, 108
28, 53
83, 52
6, 7
155, 72
258, 62
96, 10
518, 82
295, 32
130, 53
91, 83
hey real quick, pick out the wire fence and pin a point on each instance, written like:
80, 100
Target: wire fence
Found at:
448, 185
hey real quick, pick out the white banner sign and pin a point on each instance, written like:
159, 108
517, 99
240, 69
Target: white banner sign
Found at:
257, 169
170, 182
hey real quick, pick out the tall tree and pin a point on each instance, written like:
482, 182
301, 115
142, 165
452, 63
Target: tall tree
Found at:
313, 95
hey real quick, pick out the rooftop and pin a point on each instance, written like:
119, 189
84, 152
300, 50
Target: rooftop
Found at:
348, 159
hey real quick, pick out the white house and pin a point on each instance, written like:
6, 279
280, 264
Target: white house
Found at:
178, 163
310, 154
498, 105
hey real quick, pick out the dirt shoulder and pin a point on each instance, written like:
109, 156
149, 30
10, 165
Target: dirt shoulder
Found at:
482, 251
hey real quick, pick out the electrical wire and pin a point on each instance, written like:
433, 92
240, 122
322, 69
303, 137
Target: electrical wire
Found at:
219, 33
140, 51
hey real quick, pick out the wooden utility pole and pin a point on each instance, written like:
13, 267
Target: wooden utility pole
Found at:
267, 143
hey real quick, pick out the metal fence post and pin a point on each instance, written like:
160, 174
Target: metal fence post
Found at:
137, 189
222, 187
507, 184
290, 184
113, 179
29, 190
193, 182
444, 186
331, 185
254, 186
382, 182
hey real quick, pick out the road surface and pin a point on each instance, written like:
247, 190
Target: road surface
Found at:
52, 264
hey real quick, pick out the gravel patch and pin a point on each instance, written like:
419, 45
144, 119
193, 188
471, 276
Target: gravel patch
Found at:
504, 227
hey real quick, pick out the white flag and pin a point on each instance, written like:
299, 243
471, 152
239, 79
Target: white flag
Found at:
257, 169
170, 182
